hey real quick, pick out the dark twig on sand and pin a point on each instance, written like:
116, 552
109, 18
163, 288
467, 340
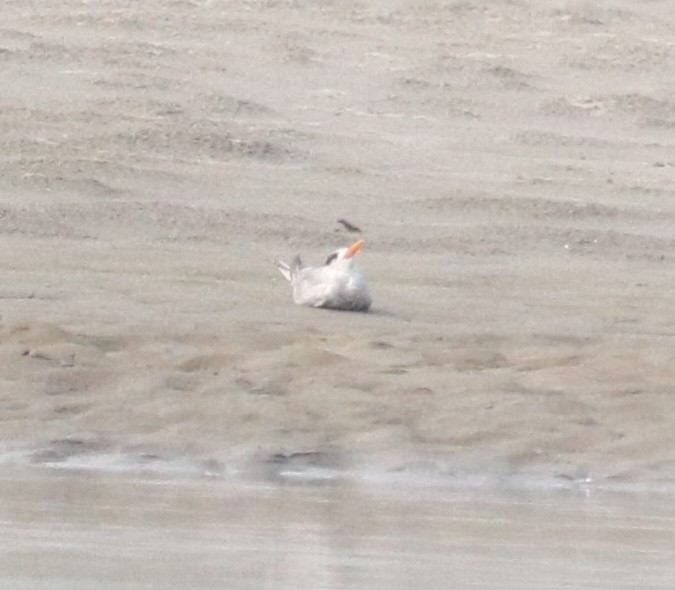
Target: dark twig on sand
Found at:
348, 226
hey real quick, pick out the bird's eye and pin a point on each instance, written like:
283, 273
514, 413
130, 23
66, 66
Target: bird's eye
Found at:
330, 259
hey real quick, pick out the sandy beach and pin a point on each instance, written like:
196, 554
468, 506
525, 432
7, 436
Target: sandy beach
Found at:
509, 162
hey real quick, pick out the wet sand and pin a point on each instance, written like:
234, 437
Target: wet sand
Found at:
63, 531
510, 164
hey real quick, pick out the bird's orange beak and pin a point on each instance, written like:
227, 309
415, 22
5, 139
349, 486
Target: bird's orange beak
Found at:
354, 248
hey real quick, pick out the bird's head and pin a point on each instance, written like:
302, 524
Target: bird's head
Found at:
344, 256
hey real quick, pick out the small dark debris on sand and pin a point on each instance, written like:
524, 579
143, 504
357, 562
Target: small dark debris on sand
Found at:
350, 227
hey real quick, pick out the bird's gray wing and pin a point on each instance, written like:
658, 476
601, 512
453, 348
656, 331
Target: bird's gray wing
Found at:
311, 287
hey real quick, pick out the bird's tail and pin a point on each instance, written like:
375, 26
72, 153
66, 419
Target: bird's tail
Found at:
290, 271
284, 269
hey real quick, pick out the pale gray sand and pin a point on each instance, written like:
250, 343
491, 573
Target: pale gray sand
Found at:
511, 164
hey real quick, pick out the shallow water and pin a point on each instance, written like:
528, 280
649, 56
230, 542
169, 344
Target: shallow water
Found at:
90, 530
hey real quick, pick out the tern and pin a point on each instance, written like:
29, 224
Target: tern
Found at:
335, 285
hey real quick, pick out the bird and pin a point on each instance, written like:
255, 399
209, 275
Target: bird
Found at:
335, 285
